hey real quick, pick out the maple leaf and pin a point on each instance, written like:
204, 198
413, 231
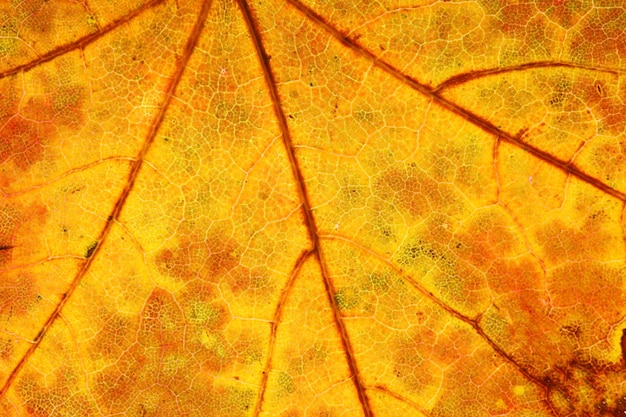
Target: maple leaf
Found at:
289, 208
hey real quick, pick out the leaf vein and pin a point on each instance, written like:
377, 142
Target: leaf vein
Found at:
567, 167
132, 177
80, 43
306, 205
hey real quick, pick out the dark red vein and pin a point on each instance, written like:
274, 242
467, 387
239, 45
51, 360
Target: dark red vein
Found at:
567, 167
306, 205
278, 313
119, 204
80, 43
622, 222
473, 75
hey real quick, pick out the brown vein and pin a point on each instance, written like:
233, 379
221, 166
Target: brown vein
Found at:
473, 75
474, 323
65, 174
306, 205
278, 313
400, 398
567, 167
80, 43
119, 204
622, 222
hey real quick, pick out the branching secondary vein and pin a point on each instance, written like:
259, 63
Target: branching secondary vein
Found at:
306, 206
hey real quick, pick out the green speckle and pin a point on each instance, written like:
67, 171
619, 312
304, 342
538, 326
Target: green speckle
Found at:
413, 252
347, 298
241, 400
285, 382
379, 283
203, 313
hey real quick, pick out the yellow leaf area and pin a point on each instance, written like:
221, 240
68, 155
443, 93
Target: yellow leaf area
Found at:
312, 208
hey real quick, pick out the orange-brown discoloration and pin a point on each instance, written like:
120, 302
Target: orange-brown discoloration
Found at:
40, 16
472, 300
198, 258
17, 294
601, 38
17, 222
563, 242
596, 297
486, 241
413, 191
605, 103
8, 225
171, 327
412, 360
514, 19
214, 260
29, 124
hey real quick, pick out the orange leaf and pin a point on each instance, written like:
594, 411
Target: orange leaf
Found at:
290, 208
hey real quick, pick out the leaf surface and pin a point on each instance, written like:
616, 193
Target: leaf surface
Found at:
290, 208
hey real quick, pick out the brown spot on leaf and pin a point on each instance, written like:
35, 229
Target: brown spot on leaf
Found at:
90, 249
